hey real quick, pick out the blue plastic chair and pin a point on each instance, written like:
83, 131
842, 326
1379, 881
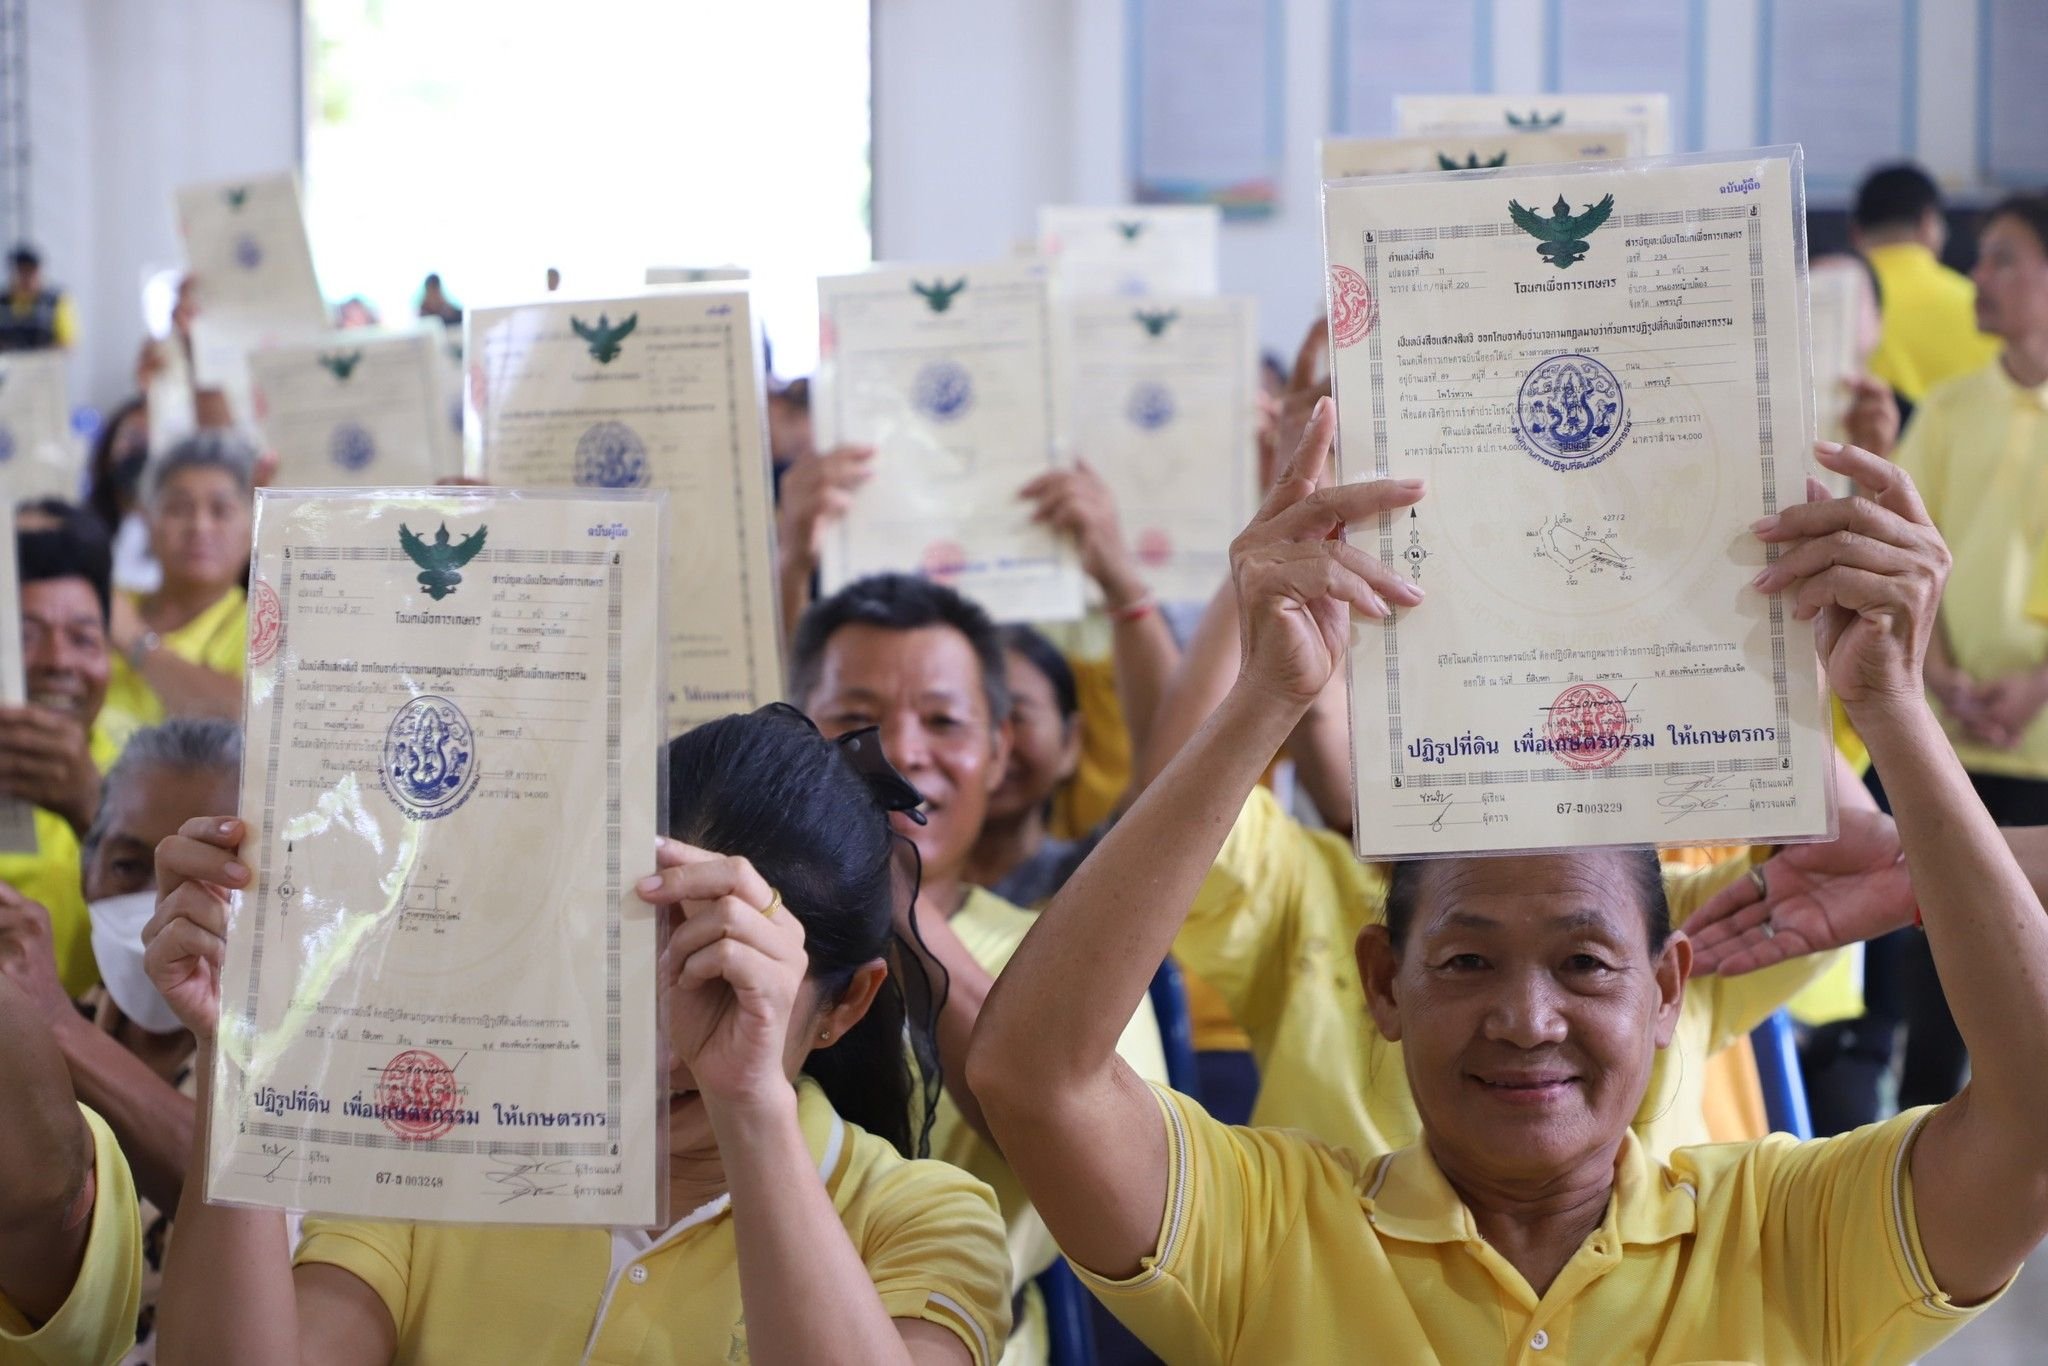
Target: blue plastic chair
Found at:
1069, 1316
1777, 1066
1176, 1031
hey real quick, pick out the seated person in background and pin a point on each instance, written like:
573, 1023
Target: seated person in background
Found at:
806, 1230
925, 665
1529, 995
182, 649
1929, 331
129, 1057
53, 750
70, 1266
1016, 857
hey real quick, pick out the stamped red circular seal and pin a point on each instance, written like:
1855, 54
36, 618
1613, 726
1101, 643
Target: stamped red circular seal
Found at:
1352, 310
1155, 547
1588, 727
417, 1095
478, 387
828, 339
266, 622
943, 561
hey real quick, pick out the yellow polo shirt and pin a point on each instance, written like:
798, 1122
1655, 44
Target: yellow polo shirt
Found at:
1273, 928
1277, 1248
217, 638
1929, 326
54, 876
97, 1322
1977, 448
990, 929
927, 1233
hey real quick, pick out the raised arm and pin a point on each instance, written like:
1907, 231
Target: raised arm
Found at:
1079, 1128
1871, 569
46, 1164
229, 1292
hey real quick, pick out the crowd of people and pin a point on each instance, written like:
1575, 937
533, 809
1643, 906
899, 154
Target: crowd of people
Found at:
1462, 1109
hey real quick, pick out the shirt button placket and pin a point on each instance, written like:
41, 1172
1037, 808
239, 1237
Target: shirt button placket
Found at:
638, 1275
1539, 1340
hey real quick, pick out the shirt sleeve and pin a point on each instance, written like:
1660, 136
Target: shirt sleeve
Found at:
1232, 1196
2037, 595
96, 1323
376, 1252
1842, 1251
936, 1251
227, 649
64, 325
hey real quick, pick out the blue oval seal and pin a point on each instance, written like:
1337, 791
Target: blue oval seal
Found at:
1150, 406
943, 391
1570, 413
6, 444
430, 763
351, 446
248, 252
611, 455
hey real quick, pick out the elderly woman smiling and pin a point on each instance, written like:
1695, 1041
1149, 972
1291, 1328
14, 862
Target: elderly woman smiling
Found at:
1529, 996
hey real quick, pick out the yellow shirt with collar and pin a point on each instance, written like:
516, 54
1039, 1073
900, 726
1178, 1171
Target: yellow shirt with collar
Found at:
1977, 448
1272, 929
1275, 1247
927, 1233
96, 1323
217, 638
55, 877
1929, 324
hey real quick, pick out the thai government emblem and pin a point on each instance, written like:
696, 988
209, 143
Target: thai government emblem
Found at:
439, 561
1535, 120
1561, 238
236, 196
341, 364
1156, 323
1471, 162
938, 294
604, 338
1130, 231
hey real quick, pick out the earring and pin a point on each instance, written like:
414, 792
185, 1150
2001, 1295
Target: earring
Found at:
824, 1036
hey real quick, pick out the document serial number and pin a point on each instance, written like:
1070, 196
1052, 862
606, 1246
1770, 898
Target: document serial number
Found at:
1590, 808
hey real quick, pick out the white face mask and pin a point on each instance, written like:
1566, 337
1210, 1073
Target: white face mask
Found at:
117, 943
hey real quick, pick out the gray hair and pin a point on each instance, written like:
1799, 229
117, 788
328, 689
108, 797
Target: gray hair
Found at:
205, 450
184, 744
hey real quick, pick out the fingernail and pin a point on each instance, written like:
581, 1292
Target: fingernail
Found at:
227, 827
234, 871
1764, 526
1828, 447
1763, 577
1322, 403
1410, 591
1412, 483
1381, 603
650, 883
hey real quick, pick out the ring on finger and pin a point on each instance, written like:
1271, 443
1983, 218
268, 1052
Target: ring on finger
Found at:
1756, 880
1770, 930
774, 904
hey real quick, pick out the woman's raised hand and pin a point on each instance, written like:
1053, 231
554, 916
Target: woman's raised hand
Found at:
185, 942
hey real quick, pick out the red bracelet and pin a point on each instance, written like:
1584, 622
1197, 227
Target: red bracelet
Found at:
1135, 611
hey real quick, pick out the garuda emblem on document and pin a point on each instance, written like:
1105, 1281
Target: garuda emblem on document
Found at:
938, 293
1561, 238
1535, 120
604, 338
1130, 231
236, 195
1156, 323
1470, 163
439, 561
341, 364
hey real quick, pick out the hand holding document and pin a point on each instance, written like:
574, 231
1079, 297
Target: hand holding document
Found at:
1160, 398
659, 390
245, 245
40, 456
17, 815
358, 408
1647, 117
946, 372
1129, 250
1599, 370
439, 996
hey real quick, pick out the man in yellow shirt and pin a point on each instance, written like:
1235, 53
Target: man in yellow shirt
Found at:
70, 1235
51, 750
1929, 332
33, 316
1978, 450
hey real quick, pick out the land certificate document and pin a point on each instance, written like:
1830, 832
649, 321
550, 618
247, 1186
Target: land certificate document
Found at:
40, 457
947, 372
1157, 249
1600, 372
358, 408
1344, 158
245, 244
17, 816
1160, 395
1647, 116
439, 1000
661, 390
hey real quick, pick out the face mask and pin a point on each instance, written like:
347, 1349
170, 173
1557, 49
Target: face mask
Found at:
117, 943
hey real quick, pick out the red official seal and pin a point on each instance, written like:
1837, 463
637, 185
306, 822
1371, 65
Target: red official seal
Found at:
417, 1095
828, 339
1352, 310
266, 622
479, 388
943, 561
1155, 547
1588, 727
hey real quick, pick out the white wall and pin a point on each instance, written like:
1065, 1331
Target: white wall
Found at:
129, 99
